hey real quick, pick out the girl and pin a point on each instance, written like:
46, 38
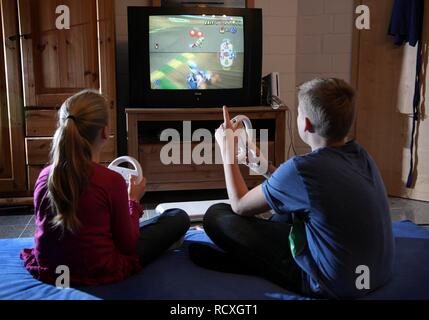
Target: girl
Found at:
85, 219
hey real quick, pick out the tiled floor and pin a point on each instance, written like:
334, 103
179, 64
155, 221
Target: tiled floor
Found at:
22, 226
16, 226
416, 211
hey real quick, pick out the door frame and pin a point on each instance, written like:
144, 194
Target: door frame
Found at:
11, 50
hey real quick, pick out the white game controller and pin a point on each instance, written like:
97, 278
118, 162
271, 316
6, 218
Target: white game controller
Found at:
125, 172
244, 138
246, 150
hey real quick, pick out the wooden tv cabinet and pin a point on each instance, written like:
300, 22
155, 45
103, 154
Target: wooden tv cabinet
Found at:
145, 125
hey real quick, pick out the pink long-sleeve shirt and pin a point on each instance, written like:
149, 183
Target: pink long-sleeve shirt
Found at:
103, 250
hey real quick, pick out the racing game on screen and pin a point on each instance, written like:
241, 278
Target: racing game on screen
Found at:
189, 52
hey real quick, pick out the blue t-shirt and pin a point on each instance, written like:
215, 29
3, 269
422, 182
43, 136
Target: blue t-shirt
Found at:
339, 198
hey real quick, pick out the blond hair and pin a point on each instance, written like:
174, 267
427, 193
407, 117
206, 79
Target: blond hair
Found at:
330, 105
81, 117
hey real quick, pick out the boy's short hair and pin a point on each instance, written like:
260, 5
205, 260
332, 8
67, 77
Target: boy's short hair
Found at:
330, 106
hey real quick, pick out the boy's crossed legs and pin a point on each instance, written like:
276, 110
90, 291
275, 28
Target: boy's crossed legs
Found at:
251, 246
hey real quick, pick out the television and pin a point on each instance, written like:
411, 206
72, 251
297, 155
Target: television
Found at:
194, 57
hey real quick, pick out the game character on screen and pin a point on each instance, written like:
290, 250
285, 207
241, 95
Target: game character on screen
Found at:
200, 79
227, 54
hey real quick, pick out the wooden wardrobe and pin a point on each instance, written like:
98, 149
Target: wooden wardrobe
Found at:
43, 66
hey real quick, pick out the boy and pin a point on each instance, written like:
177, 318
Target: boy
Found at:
332, 214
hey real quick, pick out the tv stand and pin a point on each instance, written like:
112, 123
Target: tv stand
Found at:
144, 127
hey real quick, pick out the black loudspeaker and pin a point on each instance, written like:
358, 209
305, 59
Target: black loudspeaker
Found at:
204, 3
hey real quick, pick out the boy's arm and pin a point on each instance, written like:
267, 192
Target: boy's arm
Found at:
243, 201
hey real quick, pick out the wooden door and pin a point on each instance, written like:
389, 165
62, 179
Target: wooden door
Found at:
57, 63
384, 75
12, 161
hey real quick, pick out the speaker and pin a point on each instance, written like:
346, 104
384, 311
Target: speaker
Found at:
270, 88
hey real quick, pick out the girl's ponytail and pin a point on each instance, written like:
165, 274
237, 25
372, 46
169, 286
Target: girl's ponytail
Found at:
81, 118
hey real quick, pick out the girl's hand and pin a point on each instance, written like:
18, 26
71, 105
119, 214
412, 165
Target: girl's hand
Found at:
136, 191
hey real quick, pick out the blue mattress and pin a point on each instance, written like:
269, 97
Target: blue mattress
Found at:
175, 277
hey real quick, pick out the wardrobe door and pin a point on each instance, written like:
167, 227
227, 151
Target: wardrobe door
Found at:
57, 62
12, 158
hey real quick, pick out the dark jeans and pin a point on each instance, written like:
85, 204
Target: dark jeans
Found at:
157, 235
259, 246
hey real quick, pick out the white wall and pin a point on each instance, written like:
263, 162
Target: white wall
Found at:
280, 48
280, 28
304, 39
324, 43
324, 39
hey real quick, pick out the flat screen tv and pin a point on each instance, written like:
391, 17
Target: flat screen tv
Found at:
194, 57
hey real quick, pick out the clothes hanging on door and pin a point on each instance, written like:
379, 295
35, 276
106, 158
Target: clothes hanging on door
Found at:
406, 25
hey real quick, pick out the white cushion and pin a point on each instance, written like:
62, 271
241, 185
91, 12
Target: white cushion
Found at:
196, 210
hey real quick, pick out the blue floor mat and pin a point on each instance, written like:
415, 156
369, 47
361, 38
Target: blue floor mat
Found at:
175, 277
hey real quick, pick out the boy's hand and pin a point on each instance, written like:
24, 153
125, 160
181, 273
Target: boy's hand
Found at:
136, 191
225, 138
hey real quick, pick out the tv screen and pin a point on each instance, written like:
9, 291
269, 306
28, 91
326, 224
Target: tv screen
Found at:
196, 52
194, 57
